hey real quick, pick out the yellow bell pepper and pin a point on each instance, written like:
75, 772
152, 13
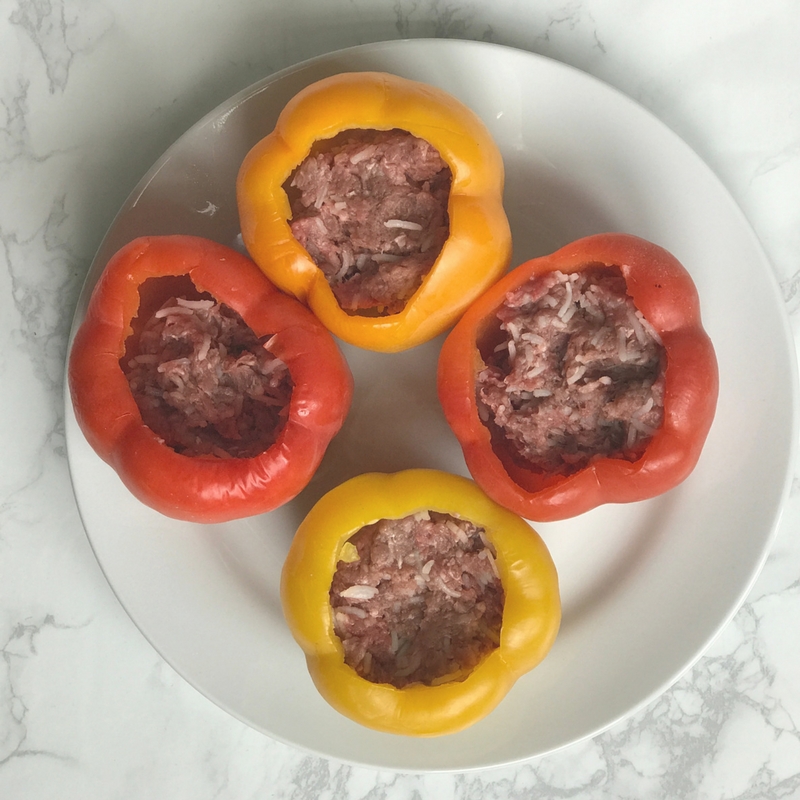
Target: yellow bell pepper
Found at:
531, 614
477, 251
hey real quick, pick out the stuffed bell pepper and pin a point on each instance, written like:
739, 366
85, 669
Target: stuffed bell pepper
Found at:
418, 601
377, 201
212, 394
581, 378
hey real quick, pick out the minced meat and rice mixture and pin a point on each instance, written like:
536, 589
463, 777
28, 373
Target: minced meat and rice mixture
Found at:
371, 209
421, 601
578, 374
205, 383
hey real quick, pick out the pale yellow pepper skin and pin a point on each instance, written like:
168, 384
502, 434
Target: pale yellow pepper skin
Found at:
477, 251
531, 615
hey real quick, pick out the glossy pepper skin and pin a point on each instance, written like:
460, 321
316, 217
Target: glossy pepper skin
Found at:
531, 615
665, 294
477, 251
203, 489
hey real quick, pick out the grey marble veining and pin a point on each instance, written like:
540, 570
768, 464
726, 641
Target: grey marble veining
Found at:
91, 93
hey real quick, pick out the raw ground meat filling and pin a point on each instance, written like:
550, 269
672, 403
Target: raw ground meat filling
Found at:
370, 207
421, 602
205, 383
578, 374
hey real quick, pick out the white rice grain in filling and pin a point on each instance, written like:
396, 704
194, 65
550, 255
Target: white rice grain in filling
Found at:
205, 383
370, 207
430, 595
586, 376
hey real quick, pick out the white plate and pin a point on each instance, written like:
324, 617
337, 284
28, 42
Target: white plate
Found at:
645, 586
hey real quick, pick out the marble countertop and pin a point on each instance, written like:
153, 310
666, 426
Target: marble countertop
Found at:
92, 92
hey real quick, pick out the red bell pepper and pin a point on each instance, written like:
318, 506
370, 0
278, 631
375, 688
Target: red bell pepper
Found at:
203, 488
665, 294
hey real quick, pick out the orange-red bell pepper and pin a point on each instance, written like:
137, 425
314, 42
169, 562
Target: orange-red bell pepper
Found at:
663, 291
203, 488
